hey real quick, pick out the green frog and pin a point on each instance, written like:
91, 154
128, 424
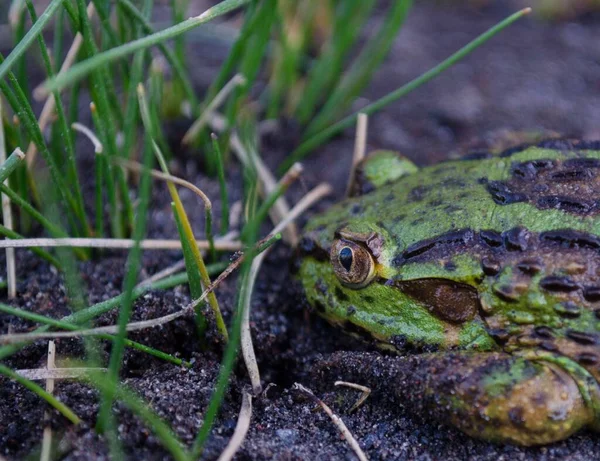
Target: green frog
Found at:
485, 273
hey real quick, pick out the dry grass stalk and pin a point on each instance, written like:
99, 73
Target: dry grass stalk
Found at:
180, 265
235, 214
81, 128
172, 269
364, 389
138, 168
337, 421
198, 125
246, 337
47, 434
360, 148
58, 373
117, 244
11, 265
241, 429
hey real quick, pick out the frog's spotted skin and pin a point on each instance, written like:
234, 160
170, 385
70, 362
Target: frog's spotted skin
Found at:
499, 257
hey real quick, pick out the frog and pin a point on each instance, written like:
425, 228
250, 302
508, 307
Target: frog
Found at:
483, 273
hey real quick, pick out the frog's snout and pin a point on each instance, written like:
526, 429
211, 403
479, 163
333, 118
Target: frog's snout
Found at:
308, 247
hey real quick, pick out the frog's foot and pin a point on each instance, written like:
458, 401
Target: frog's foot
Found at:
492, 396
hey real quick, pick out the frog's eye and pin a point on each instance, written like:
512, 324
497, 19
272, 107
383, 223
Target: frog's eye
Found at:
352, 263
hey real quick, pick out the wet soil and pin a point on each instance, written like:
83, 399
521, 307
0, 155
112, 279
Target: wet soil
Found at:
536, 76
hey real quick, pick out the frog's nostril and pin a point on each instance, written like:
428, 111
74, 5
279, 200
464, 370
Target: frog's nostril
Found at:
309, 247
306, 245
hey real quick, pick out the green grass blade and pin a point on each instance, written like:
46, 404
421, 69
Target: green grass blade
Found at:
35, 214
106, 306
116, 221
107, 71
76, 295
99, 168
250, 231
33, 387
226, 366
29, 38
363, 68
39, 217
82, 69
309, 145
21, 106
185, 223
12, 162
21, 65
194, 279
252, 58
65, 132
107, 127
110, 34
222, 184
178, 9
157, 85
137, 71
263, 211
133, 266
72, 327
250, 23
174, 61
326, 71
59, 36
72, 13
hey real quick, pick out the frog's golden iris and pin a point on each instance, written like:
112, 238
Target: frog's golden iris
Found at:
352, 263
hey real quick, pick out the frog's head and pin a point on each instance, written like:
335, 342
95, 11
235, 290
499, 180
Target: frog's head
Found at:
350, 275
349, 278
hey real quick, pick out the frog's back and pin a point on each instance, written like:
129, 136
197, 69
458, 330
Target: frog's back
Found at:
537, 189
525, 229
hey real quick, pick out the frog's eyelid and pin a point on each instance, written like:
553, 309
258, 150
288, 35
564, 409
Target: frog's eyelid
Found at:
359, 243
340, 231
372, 241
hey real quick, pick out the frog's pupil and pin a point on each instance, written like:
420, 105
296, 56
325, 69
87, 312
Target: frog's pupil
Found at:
346, 258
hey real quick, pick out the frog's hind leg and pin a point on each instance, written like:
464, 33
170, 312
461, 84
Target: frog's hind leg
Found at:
492, 396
